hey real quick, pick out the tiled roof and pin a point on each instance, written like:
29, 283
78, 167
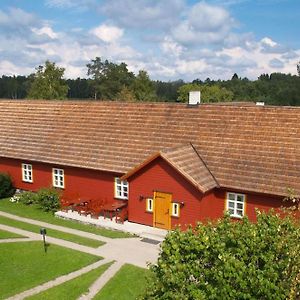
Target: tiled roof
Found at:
186, 161
245, 147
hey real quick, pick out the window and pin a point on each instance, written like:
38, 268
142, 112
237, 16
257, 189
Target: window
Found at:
27, 173
149, 205
236, 204
58, 178
175, 209
121, 189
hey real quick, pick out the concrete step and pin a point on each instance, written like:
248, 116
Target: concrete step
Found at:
159, 237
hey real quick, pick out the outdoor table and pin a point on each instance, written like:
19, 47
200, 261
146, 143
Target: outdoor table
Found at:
112, 208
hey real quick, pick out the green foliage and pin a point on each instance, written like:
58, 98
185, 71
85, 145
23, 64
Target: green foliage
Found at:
48, 83
183, 91
230, 260
209, 93
108, 78
143, 87
126, 95
27, 198
46, 199
6, 186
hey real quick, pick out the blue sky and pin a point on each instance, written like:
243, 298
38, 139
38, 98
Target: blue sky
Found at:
171, 39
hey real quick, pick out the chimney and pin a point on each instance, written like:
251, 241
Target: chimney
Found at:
194, 97
260, 103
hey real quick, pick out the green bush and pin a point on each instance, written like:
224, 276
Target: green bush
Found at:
27, 198
48, 199
6, 186
230, 260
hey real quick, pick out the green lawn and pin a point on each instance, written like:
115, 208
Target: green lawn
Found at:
9, 235
72, 289
127, 284
33, 212
25, 265
53, 233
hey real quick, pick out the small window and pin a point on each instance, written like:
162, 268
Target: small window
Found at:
58, 178
175, 209
149, 205
27, 173
236, 205
121, 189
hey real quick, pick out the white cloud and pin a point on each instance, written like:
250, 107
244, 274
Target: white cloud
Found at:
45, 30
204, 24
143, 13
108, 34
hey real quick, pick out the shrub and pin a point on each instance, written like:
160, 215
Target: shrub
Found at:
48, 199
6, 186
230, 260
27, 198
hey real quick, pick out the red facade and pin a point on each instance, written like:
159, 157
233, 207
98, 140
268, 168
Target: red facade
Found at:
158, 175
83, 183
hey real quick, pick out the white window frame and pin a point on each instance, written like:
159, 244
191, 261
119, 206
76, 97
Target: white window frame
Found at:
149, 204
58, 178
27, 173
234, 205
175, 209
121, 189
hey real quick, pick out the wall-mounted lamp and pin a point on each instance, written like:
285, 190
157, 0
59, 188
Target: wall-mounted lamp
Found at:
141, 197
181, 204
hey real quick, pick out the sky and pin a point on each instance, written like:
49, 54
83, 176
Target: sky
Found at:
170, 39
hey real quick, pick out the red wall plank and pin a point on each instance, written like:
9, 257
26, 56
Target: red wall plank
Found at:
89, 184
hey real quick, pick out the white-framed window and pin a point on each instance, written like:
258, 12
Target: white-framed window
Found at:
27, 173
149, 204
235, 204
58, 178
121, 189
175, 209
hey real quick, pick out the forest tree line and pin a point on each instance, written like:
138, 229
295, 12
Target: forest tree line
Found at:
111, 81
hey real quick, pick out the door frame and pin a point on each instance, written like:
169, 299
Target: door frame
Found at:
154, 208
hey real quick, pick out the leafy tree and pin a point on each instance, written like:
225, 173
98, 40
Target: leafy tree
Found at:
230, 260
298, 68
209, 93
183, 91
126, 95
167, 91
143, 87
6, 186
48, 83
108, 78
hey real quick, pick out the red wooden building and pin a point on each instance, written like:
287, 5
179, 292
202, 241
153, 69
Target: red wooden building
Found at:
172, 163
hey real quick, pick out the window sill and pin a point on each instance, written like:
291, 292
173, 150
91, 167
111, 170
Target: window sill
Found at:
149, 212
236, 216
27, 181
120, 198
175, 217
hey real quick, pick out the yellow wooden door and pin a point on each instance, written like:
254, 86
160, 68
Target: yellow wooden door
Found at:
162, 208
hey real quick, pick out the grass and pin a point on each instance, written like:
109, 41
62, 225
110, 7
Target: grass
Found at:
128, 284
51, 232
26, 265
9, 235
33, 212
72, 289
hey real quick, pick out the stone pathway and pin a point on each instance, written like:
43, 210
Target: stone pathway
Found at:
57, 281
101, 281
123, 250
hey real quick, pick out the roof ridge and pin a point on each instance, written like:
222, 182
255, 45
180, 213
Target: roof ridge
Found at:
204, 163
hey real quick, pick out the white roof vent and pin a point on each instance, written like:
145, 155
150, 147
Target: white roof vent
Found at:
194, 97
260, 103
